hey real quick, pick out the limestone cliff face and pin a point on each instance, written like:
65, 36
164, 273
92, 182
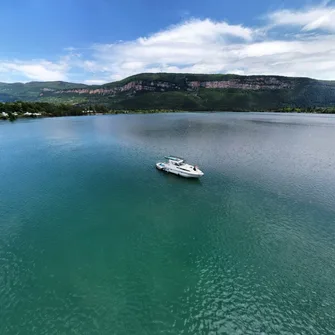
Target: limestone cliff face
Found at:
258, 83
252, 83
131, 86
183, 91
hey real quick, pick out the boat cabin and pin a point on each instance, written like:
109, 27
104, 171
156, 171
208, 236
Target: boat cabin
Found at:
175, 160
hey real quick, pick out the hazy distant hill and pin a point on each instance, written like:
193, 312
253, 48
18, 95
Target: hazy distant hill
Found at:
183, 91
32, 91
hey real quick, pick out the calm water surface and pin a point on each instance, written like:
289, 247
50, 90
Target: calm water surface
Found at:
95, 240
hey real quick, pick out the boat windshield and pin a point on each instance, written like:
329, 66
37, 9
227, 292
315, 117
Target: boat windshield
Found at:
178, 163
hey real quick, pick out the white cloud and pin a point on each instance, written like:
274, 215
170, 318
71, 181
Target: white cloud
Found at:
307, 48
196, 31
211, 47
42, 70
181, 46
313, 18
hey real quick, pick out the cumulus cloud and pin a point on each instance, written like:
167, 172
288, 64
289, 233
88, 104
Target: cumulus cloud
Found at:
205, 46
196, 31
174, 49
291, 42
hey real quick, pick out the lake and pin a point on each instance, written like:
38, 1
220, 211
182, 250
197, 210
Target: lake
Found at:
95, 240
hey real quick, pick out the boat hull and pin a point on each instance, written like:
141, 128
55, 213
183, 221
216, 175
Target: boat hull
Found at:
167, 168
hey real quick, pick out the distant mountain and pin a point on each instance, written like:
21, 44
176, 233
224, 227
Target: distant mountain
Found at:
183, 92
32, 91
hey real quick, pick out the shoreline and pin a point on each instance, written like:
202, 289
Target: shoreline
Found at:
22, 109
141, 112
16, 110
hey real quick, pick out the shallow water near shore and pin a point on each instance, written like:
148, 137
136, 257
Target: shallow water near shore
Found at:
95, 240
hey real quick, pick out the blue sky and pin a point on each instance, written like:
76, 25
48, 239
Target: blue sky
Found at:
104, 40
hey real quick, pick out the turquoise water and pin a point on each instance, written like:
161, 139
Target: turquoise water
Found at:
95, 240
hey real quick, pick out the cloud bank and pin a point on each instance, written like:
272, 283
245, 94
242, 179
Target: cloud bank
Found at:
288, 42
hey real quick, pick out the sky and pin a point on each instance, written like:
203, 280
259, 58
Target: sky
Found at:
100, 41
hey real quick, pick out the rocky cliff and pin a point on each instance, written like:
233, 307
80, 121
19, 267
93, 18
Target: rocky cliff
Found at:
183, 91
252, 83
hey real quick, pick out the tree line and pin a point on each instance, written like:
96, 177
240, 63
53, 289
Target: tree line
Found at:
43, 108
17, 109
13, 110
35, 109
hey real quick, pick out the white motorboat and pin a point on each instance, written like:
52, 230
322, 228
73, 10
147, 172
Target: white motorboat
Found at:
178, 166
